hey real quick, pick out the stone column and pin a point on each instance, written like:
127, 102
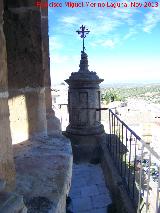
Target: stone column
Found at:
7, 169
45, 56
23, 31
53, 123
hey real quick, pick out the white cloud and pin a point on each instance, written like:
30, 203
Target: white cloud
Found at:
69, 19
152, 18
105, 42
131, 33
101, 22
59, 59
122, 14
54, 43
104, 26
108, 43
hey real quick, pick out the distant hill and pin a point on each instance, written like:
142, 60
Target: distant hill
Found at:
129, 85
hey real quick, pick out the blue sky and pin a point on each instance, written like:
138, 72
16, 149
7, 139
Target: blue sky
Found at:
123, 45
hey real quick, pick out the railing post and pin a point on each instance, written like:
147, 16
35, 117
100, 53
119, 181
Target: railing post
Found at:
148, 180
158, 189
122, 153
140, 180
135, 161
110, 130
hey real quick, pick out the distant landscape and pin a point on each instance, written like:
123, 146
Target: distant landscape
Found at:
148, 92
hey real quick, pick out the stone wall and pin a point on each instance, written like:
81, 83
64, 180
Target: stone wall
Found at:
25, 94
26, 69
7, 170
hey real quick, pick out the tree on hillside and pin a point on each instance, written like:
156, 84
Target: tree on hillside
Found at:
110, 96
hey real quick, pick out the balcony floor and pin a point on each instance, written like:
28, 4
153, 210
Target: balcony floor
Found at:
88, 192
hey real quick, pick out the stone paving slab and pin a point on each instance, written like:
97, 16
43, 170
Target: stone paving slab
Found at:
88, 192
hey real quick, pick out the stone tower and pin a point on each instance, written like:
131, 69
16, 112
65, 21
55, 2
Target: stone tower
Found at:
83, 105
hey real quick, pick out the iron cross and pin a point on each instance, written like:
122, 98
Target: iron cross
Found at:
83, 32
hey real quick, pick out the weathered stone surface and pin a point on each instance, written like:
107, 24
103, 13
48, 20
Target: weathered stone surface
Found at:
11, 202
26, 71
53, 123
3, 64
45, 50
20, 3
48, 98
7, 172
24, 55
84, 127
44, 167
2, 185
86, 148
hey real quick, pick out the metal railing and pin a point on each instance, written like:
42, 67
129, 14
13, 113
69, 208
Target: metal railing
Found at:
138, 165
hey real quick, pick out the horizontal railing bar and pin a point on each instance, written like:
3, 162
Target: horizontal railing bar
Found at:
152, 151
62, 104
126, 125
97, 109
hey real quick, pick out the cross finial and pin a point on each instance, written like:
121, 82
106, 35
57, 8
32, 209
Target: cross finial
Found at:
83, 32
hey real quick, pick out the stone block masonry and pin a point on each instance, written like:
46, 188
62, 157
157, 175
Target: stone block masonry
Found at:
7, 170
28, 70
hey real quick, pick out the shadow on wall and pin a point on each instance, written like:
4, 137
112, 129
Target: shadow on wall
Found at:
26, 73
